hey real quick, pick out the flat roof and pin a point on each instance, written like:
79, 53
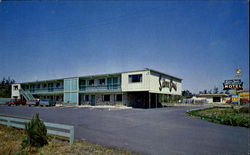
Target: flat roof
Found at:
109, 74
212, 95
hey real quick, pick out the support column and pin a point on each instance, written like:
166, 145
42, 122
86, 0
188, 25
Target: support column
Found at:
149, 100
122, 99
156, 100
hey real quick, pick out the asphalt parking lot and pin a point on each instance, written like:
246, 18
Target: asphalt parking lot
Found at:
147, 131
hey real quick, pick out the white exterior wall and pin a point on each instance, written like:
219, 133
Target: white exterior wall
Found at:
154, 84
137, 86
210, 99
15, 92
150, 82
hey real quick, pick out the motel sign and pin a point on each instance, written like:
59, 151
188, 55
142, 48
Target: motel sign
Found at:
233, 84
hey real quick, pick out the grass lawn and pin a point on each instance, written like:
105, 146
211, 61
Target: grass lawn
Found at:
11, 138
228, 116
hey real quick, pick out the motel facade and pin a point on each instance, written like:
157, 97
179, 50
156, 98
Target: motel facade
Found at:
141, 88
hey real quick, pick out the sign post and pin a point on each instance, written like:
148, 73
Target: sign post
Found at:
238, 73
234, 84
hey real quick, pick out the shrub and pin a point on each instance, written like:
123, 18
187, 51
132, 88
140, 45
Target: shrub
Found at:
244, 110
226, 116
36, 133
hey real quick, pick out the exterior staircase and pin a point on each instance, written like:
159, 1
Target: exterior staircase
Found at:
27, 95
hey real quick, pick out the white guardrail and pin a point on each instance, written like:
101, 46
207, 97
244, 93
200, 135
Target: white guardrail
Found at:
20, 123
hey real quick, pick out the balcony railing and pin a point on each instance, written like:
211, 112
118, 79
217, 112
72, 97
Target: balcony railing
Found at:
100, 88
94, 88
44, 90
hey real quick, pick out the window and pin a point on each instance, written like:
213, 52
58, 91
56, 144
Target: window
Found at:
38, 86
83, 84
86, 98
106, 98
57, 85
119, 97
135, 78
91, 82
50, 87
102, 81
44, 85
15, 87
32, 88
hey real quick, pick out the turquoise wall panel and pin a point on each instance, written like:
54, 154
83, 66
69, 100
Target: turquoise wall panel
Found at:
74, 84
74, 97
66, 97
67, 85
70, 84
71, 97
71, 90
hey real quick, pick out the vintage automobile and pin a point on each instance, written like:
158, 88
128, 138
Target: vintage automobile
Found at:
47, 102
15, 102
32, 102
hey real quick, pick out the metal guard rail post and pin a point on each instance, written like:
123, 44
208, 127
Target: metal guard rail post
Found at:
10, 121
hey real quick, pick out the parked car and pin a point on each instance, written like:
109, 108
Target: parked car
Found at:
32, 102
47, 102
15, 102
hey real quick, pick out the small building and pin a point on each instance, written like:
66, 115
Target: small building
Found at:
213, 98
141, 88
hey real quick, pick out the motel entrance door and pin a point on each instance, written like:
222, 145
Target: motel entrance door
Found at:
92, 100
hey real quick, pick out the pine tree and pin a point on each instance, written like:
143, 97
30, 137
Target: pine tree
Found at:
36, 133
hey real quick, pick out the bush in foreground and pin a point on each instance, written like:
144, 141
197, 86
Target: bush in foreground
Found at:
36, 133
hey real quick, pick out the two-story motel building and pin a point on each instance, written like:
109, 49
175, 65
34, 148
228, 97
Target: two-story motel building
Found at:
140, 88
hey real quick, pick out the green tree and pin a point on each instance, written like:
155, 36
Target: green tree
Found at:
36, 133
187, 94
5, 87
210, 91
205, 91
216, 90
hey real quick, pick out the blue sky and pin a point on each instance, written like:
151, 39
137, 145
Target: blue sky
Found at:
202, 42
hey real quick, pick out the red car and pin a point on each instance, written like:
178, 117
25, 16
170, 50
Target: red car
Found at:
15, 102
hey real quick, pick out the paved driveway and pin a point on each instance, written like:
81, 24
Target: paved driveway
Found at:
148, 131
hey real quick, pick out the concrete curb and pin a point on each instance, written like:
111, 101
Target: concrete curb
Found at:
96, 107
212, 106
200, 108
